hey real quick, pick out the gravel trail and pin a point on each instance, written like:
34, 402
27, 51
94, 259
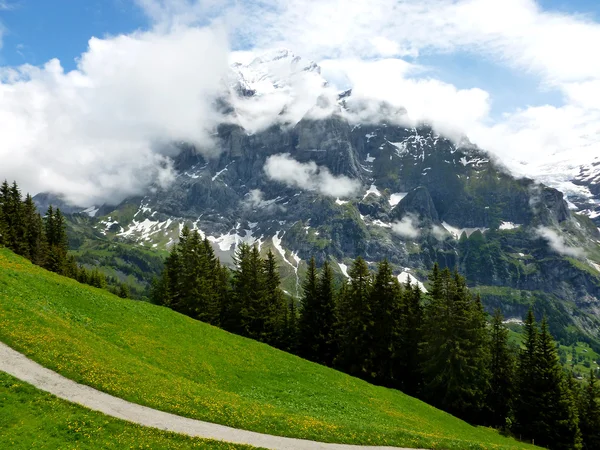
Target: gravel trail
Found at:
21, 367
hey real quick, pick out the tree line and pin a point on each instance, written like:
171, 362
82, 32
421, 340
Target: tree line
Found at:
439, 346
43, 240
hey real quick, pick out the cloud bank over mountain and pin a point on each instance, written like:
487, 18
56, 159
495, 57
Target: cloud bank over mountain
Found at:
102, 132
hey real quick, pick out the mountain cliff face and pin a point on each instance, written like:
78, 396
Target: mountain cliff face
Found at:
335, 187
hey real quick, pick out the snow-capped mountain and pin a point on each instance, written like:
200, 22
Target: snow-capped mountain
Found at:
305, 171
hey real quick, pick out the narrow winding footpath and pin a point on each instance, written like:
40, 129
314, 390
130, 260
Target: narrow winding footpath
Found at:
21, 367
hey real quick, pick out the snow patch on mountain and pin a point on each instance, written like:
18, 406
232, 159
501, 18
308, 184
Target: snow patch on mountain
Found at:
344, 269
508, 226
372, 190
396, 198
457, 232
407, 276
91, 211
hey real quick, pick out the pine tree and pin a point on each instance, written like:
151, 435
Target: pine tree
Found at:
407, 360
124, 291
216, 285
34, 232
291, 335
526, 393
4, 214
317, 316
275, 304
56, 237
455, 348
545, 407
326, 300
12, 221
17, 222
233, 310
502, 373
384, 328
308, 322
558, 424
354, 318
249, 307
589, 414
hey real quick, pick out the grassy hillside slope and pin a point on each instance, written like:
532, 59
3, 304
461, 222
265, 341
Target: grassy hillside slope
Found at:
156, 357
30, 418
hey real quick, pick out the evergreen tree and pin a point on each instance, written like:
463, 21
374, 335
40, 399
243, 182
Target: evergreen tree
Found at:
216, 286
308, 322
326, 301
526, 405
12, 221
123, 291
17, 222
292, 327
589, 414
249, 294
407, 361
4, 214
455, 348
56, 236
275, 304
232, 311
34, 232
384, 328
502, 373
545, 407
317, 316
558, 424
355, 317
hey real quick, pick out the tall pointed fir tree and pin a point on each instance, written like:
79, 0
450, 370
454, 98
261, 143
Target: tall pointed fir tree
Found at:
275, 307
455, 348
502, 373
384, 328
407, 361
354, 323
12, 223
308, 323
232, 311
526, 398
545, 408
56, 236
317, 316
589, 413
326, 297
4, 216
558, 425
34, 230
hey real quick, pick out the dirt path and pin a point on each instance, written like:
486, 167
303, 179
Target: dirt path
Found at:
24, 369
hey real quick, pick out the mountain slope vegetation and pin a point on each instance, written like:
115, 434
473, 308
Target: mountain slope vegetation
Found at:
156, 357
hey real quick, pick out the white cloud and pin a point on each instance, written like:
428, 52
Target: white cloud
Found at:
94, 134
102, 132
351, 38
424, 100
408, 227
309, 176
517, 32
558, 243
440, 233
255, 199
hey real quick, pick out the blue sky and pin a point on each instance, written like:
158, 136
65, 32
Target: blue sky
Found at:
39, 30
520, 78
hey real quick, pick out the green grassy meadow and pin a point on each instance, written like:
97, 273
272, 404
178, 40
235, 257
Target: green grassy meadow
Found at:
30, 418
155, 357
